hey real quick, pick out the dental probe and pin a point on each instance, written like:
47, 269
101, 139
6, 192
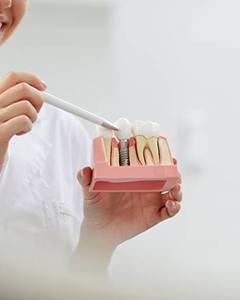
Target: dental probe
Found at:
76, 110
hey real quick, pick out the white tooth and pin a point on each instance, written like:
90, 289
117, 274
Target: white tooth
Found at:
148, 129
141, 141
107, 141
155, 129
147, 134
125, 129
104, 132
139, 128
165, 154
153, 134
1, 25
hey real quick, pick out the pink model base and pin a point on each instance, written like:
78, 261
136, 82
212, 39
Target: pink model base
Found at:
131, 178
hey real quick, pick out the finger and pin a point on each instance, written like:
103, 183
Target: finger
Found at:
180, 197
180, 179
20, 92
173, 194
20, 124
173, 207
176, 194
180, 176
177, 197
18, 109
13, 78
170, 209
85, 178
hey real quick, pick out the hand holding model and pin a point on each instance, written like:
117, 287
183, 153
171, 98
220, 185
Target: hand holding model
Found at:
114, 217
20, 102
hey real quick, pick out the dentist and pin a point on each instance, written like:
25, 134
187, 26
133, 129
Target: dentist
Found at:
42, 150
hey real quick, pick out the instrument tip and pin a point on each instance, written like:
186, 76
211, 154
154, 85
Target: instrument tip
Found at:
110, 125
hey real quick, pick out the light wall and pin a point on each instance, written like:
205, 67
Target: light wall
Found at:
175, 62
179, 64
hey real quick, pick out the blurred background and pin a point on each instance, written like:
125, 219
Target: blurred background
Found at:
174, 62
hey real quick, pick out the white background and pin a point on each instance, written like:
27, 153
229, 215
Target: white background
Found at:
175, 62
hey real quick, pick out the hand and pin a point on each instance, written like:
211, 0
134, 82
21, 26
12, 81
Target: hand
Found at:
20, 102
112, 218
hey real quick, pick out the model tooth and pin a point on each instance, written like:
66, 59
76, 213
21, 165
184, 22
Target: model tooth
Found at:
153, 142
153, 146
148, 157
153, 132
107, 141
165, 154
133, 158
141, 140
115, 159
107, 146
125, 129
155, 129
141, 145
139, 128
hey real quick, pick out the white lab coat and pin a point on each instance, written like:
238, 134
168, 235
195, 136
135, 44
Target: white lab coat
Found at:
40, 197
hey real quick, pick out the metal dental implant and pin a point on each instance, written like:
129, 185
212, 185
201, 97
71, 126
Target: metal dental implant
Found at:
123, 135
124, 154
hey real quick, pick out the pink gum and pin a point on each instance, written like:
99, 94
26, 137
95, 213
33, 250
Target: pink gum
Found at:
132, 178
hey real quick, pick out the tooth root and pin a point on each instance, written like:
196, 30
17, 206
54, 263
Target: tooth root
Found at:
107, 147
133, 159
165, 154
104, 150
141, 142
115, 158
115, 154
148, 157
153, 146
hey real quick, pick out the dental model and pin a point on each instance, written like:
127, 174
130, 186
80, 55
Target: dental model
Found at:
136, 158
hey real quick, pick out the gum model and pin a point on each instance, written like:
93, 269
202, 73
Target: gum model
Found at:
135, 159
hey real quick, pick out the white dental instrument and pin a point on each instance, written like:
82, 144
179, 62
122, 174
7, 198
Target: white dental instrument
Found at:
76, 110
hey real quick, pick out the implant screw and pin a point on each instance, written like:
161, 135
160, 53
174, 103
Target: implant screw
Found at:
124, 156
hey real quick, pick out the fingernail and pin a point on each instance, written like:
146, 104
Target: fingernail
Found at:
44, 84
6, 3
170, 196
180, 178
81, 173
178, 188
180, 197
173, 204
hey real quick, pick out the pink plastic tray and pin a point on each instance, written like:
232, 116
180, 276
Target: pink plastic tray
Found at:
157, 178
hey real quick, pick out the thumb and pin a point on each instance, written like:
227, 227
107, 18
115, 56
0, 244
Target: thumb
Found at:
85, 177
